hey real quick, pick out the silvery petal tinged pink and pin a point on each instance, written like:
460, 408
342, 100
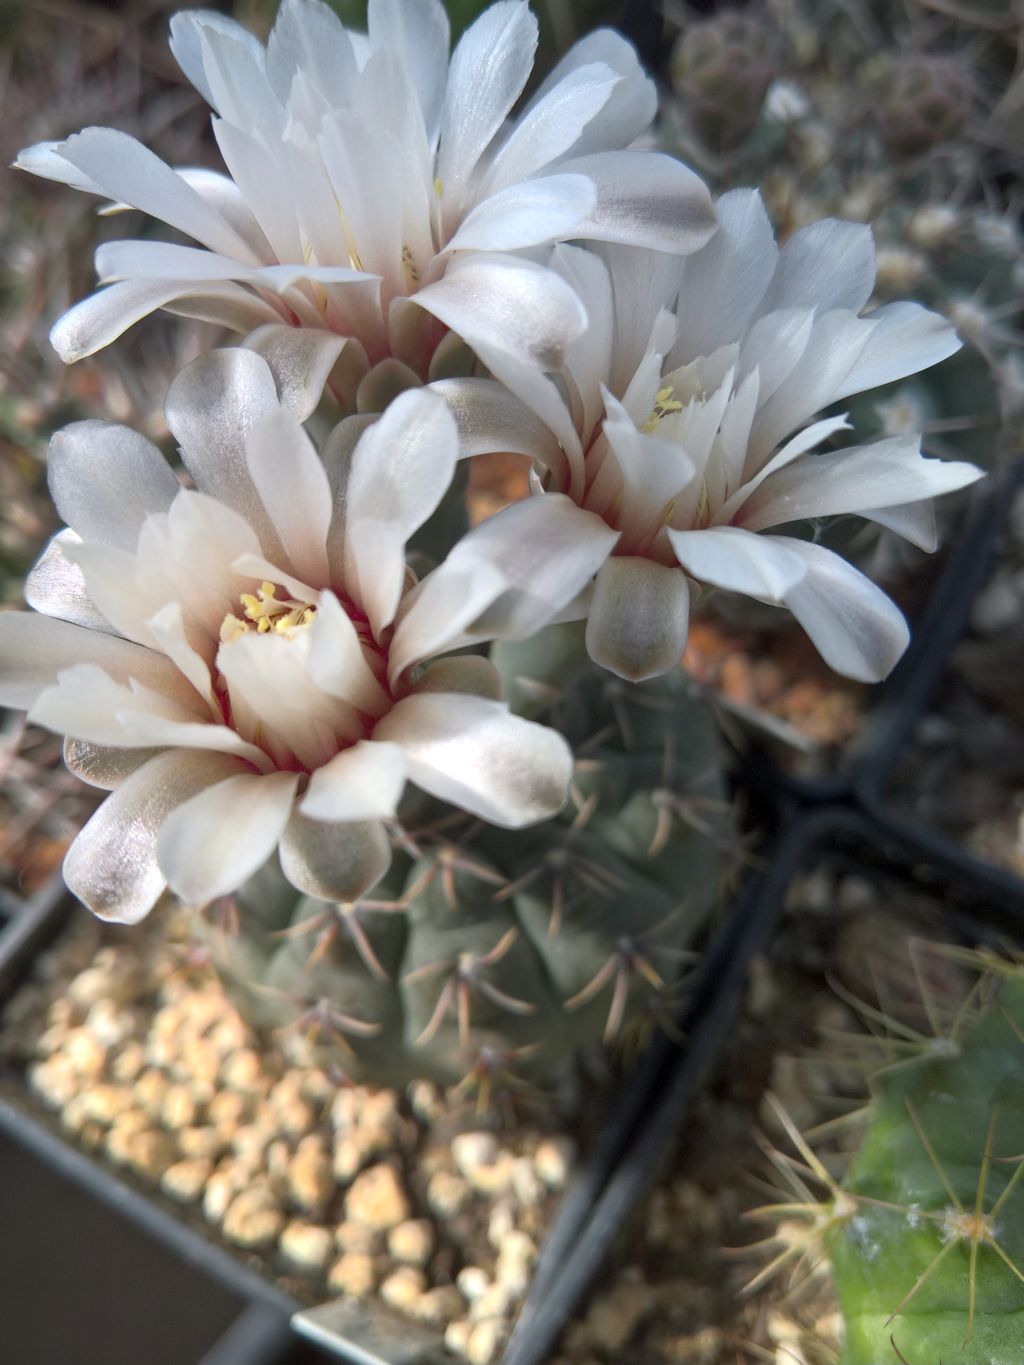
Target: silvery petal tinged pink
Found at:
682, 424
365, 171
243, 662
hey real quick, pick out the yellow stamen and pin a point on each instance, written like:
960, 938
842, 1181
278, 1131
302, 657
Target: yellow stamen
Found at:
664, 404
267, 612
438, 187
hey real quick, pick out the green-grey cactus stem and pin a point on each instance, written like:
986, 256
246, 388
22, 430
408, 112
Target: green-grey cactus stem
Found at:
488, 954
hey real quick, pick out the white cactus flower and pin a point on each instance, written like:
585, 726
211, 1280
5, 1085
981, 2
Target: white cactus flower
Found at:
240, 662
681, 421
371, 172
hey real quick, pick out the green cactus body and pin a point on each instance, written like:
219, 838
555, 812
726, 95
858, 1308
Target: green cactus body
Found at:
928, 1263
488, 951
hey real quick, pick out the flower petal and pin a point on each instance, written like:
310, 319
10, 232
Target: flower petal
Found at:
364, 782
418, 32
490, 418
639, 617
308, 37
914, 521
112, 864
210, 844
857, 479
56, 586
101, 765
337, 663
723, 283
474, 753
130, 172
35, 648
489, 68
762, 567
470, 673
551, 125
400, 471
633, 102
828, 264
335, 861
98, 320
528, 214
907, 338
509, 304
856, 629
546, 550
300, 359
293, 487
211, 406
645, 199
106, 479
187, 44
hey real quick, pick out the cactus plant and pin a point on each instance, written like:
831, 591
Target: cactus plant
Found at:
925, 1235
930, 1265
487, 950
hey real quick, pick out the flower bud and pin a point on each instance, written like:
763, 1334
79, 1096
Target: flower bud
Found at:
722, 69
923, 101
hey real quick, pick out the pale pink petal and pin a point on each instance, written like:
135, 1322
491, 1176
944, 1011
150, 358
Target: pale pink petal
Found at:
336, 861
112, 864
489, 68
290, 481
632, 104
35, 648
106, 479
211, 406
856, 629
337, 662
474, 753
300, 359
723, 283
763, 567
645, 199
528, 214
417, 31
828, 264
102, 766
128, 171
400, 471
551, 125
857, 479
211, 843
364, 782
56, 586
509, 304
639, 617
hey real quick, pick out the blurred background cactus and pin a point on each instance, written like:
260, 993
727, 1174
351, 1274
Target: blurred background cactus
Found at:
489, 955
924, 1234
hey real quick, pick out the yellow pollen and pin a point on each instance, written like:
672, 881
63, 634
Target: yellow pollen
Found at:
438, 187
267, 613
664, 403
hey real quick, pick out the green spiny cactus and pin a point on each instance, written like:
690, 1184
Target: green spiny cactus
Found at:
929, 1265
487, 951
925, 1234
